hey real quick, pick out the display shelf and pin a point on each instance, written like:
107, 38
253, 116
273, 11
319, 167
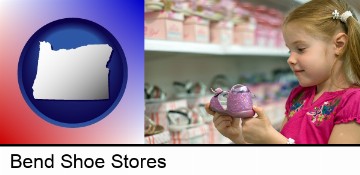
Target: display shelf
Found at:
161, 138
301, 1
182, 46
205, 48
255, 50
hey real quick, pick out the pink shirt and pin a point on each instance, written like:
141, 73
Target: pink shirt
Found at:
312, 122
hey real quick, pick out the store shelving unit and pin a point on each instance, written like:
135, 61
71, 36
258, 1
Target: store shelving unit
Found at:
257, 51
173, 53
182, 47
167, 61
215, 49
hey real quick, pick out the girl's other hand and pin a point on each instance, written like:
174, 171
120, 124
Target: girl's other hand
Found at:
257, 129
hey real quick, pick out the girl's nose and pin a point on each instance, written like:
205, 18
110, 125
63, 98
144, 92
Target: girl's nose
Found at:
291, 60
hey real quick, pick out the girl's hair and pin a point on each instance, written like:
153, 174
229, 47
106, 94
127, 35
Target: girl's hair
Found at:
317, 15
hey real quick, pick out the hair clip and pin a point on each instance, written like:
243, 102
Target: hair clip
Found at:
343, 17
335, 14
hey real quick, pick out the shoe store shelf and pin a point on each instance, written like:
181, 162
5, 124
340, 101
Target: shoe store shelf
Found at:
257, 51
216, 49
161, 138
301, 1
183, 47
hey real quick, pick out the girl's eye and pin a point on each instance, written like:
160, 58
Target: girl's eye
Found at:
301, 49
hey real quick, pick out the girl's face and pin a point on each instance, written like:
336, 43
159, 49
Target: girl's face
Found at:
311, 59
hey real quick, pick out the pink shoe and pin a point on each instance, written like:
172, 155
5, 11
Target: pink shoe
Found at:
238, 102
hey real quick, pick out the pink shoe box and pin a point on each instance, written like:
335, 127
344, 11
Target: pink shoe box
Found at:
196, 29
275, 18
273, 30
161, 138
280, 43
272, 35
263, 26
165, 25
262, 33
244, 33
158, 111
244, 30
196, 135
221, 32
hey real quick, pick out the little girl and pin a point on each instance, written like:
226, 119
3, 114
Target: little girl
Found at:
323, 37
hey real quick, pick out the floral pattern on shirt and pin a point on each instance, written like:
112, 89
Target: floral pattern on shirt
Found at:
296, 104
323, 113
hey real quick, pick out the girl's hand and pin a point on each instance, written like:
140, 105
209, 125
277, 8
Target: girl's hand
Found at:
228, 126
257, 129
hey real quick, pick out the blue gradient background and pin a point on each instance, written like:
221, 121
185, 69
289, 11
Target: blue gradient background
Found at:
20, 19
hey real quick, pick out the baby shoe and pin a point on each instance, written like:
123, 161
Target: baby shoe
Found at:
189, 89
183, 118
238, 102
221, 81
154, 93
153, 5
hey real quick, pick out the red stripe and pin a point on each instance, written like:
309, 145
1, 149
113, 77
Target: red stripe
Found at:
212, 139
179, 138
157, 118
172, 138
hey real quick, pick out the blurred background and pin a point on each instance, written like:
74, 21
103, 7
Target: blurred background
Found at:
193, 46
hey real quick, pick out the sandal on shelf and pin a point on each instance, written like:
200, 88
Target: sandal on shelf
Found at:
181, 119
189, 89
151, 7
151, 128
178, 9
221, 81
154, 93
238, 102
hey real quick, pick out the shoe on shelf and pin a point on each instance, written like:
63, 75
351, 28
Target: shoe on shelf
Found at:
154, 93
220, 81
183, 118
151, 128
189, 89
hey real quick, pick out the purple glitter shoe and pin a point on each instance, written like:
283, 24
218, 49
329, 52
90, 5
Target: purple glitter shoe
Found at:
238, 102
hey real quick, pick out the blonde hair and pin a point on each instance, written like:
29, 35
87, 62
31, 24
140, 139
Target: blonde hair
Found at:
317, 15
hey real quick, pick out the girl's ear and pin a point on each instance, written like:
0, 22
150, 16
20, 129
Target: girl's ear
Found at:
340, 41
